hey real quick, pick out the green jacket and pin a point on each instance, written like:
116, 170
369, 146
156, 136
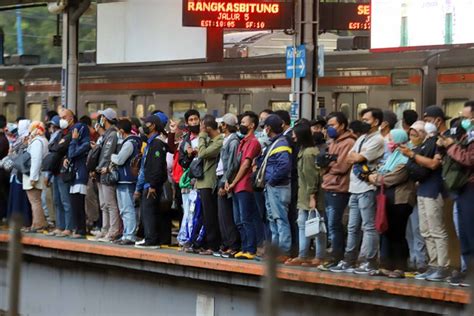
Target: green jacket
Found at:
309, 178
209, 150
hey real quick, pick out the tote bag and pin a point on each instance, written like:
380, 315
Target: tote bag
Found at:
381, 221
315, 224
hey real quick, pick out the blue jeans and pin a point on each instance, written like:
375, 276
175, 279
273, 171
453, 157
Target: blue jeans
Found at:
244, 217
66, 212
278, 201
183, 228
362, 225
416, 243
304, 242
58, 205
127, 210
336, 203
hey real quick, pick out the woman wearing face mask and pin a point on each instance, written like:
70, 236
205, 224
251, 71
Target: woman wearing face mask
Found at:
399, 190
33, 183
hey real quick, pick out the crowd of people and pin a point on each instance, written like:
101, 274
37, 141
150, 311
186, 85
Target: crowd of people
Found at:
244, 182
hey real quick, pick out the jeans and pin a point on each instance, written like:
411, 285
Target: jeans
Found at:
127, 210
183, 235
58, 205
66, 216
304, 242
362, 225
336, 203
416, 243
244, 214
278, 202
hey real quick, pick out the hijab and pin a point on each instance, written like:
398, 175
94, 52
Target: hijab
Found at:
399, 136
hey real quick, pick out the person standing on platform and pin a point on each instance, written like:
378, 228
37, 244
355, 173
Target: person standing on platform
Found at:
77, 156
111, 222
4, 181
226, 171
210, 144
365, 155
245, 211
154, 173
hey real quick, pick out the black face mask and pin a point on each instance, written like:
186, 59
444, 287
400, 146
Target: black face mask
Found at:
194, 129
244, 130
318, 138
365, 127
146, 130
143, 137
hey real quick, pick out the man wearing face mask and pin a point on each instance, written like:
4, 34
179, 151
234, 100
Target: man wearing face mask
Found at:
61, 189
336, 182
154, 173
462, 151
111, 222
430, 196
317, 129
243, 198
367, 150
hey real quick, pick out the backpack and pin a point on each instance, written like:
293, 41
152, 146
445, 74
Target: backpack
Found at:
51, 163
135, 164
93, 156
196, 168
455, 175
177, 171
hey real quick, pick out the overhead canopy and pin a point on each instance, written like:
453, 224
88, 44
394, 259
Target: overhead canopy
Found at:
5, 4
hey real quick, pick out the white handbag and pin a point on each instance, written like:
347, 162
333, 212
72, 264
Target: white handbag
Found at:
315, 224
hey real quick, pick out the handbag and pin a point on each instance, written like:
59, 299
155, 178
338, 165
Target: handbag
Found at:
111, 177
22, 162
314, 225
381, 221
196, 169
68, 173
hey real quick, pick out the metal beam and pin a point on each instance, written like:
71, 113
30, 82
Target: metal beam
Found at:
14, 4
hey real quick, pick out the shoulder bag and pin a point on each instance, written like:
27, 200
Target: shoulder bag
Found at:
381, 221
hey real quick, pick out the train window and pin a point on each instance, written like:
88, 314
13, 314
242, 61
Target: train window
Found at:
360, 107
34, 111
139, 110
247, 107
233, 109
351, 103
95, 106
346, 109
280, 105
178, 108
10, 111
453, 107
399, 106
151, 108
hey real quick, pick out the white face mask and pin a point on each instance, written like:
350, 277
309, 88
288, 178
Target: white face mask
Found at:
431, 129
63, 124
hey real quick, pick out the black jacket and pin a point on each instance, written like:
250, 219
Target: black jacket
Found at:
155, 169
184, 160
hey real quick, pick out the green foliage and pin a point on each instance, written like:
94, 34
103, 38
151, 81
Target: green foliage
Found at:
39, 27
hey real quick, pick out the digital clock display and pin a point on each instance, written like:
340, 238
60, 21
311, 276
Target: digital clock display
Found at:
344, 16
243, 14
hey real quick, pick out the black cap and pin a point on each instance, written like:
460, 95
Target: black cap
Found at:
435, 111
319, 120
153, 119
275, 122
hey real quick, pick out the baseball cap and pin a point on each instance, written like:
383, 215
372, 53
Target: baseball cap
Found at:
154, 119
274, 121
163, 117
54, 121
319, 120
109, 114
435, 111
229, 119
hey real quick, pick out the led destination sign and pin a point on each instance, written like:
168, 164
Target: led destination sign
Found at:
344, 16
238, 14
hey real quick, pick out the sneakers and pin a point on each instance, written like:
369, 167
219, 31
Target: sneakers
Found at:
77, 236
440, 275
245, 255
327, 266
343, 266
146, 245
124, 242
229, 253
458, 279
365, 268
426, 274
105, 239
206, 252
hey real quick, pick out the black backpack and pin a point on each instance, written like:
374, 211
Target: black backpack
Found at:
93, 158
196, 169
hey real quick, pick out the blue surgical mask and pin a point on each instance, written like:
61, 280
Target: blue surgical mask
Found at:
466, 124
332, 132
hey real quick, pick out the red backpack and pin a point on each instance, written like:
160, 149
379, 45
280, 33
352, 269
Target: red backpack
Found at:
177, 171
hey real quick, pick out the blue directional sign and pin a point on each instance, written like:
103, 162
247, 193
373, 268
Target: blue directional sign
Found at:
296, 61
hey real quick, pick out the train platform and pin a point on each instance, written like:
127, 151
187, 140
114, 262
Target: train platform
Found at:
404, 294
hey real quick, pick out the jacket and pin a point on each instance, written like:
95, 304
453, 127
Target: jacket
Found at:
153, 172
399, 188
464, 154
38, 149
337, 175
229, 155
309, 178
209, 150
294, 158
279, 164
130, 148
184, 160
109, 147
61, 146
77, 154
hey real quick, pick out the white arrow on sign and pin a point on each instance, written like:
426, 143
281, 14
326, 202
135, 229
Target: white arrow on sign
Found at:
302, 67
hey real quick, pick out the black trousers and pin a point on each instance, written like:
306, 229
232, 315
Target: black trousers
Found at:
230, 234
210, 218
394, 250
151, 215
78, 204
